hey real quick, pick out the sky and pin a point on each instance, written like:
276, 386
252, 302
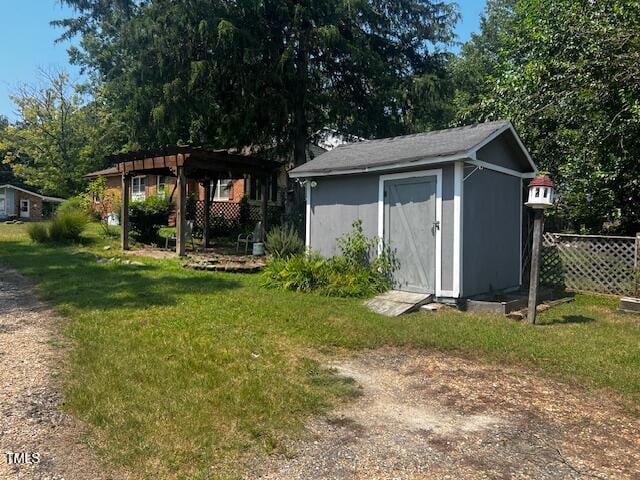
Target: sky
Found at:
27, 42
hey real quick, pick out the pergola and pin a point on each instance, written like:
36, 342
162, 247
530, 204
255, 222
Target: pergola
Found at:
186, 162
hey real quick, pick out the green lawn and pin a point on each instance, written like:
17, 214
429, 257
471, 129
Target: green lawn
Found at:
183, 373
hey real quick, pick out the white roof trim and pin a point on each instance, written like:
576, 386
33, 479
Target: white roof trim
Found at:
499, 132
43, 197
468, 155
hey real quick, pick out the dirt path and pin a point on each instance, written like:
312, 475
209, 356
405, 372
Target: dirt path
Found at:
432, 416
31, 421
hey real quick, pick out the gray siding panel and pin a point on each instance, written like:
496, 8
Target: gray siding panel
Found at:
447, 226
491, 232
337, 201
505, 152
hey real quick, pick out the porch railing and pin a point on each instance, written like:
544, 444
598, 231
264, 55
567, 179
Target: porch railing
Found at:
226, 218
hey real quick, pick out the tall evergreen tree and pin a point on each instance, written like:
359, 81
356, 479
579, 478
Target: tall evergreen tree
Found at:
224, 72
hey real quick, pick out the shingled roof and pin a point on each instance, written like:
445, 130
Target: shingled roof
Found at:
449, 144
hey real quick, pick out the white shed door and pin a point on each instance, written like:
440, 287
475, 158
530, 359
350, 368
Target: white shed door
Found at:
410, 229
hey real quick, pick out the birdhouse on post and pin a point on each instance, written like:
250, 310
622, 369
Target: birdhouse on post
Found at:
541, 196
541, 193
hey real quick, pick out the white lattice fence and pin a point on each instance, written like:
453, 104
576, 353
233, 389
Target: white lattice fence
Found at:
591, 263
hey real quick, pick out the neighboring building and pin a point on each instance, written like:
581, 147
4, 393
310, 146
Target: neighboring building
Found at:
448, 202
23, 204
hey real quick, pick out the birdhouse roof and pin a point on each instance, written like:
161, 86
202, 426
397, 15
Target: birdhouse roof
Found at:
542, 181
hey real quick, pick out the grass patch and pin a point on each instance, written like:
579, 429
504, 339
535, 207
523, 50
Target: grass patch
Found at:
183, 373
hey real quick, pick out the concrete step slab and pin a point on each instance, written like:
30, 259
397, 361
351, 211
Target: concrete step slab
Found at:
394, 303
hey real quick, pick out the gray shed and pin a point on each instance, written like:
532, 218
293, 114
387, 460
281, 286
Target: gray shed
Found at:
449, 202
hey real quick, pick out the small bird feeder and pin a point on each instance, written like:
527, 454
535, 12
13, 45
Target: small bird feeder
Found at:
541, 193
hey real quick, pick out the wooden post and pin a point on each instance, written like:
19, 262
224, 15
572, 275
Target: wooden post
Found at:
263, 207
538, 228
124, 211
205, 217
181, 213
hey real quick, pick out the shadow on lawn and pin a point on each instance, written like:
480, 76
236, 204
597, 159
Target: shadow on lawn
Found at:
78, 280
566, 319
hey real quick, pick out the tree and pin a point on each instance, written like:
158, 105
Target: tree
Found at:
567, 75
6, 175
58, 137
105, 201
235, 73
475, 67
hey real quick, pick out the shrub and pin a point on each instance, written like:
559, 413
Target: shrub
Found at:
283, 242
75, 205
38, 232
148, 216
300, 273
356, 272
67, 226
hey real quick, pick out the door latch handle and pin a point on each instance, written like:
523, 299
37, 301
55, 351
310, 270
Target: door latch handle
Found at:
436, 225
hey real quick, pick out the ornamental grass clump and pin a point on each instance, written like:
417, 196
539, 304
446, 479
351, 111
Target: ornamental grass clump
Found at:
284, 241
67, 226
359, 271
38, 232
69, 222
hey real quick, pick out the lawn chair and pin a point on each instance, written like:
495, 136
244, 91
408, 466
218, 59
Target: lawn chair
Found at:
250, 238
188, 231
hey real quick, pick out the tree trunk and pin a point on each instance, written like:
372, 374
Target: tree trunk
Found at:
294, 204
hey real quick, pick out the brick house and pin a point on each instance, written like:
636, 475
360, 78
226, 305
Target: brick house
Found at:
223, 191
22, 204
226, 193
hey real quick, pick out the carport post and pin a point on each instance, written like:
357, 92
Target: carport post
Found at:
263, 207
124, 211
180, 217
205, 216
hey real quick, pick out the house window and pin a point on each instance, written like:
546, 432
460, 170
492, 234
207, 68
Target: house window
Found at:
222, 190
161, 188
2, 205
138, 185
255, 189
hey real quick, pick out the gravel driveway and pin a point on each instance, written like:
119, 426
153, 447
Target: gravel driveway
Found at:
37, 439
427, 415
